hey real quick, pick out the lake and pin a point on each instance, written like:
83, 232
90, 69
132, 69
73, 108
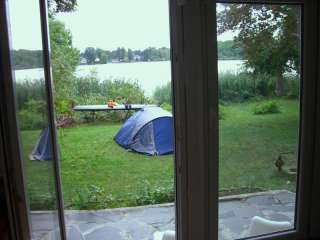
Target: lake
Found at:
148, 74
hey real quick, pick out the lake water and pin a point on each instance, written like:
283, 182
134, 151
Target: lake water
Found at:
148, 74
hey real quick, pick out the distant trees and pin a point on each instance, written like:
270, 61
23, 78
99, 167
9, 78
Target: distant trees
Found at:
24, 59
94, 56
227, 50
90, 55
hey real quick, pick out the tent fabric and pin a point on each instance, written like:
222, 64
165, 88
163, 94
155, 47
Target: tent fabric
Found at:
148, 131
43, 149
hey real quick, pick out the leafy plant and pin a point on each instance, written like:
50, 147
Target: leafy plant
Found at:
266, 108
163, 94
166, 106
155, 195
92, 197
222, 112
33, 115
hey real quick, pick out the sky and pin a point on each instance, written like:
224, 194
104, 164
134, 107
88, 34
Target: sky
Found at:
96, 23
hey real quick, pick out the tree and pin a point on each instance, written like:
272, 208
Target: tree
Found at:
101, 55
64, 58
268, 34
56, 6
130, 55
227, 50
90, 55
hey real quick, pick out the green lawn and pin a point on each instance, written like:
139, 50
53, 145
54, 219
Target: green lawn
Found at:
90, 159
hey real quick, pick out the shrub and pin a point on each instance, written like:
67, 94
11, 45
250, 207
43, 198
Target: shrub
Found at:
155, 195
293, 86
244, 86
30, 90
266, 108
222, 112
33, 115
90, 90
92, 197
163, 94
166, 106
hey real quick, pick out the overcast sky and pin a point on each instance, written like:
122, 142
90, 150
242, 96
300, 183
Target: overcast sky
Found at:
99, 23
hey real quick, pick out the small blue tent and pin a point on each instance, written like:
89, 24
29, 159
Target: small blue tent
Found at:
148, 131
42, 150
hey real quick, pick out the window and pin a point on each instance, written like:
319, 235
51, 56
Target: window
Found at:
259, 76
222, 145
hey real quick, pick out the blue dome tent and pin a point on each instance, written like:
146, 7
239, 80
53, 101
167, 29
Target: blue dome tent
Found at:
148, 131
43, 150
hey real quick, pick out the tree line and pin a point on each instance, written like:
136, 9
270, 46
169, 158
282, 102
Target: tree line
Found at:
24, 59
99, 56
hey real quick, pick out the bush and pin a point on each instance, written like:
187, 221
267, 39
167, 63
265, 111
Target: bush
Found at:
245, 86
155, 195
33, 115
91, 90
30, 90
166, 106
266, 108
163, 94
92, 197
222, 112
293, 86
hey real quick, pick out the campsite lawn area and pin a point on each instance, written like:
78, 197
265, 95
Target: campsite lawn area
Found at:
94, 167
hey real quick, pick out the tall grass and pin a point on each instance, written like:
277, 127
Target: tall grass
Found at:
245, 86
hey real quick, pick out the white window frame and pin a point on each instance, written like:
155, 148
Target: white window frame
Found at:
195, 81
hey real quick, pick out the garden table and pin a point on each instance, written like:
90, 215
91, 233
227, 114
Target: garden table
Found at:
105, 107
120, 107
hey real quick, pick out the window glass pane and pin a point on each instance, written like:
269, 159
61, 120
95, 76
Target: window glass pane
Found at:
32, 113
259, 78
112, 75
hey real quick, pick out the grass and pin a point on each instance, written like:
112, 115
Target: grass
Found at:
94, 168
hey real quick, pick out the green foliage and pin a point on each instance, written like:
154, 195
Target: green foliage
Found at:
245, 86
64, 107
92, 197
266, 107
90, 55
64, 59
162, 94
155, 195
89, 156
56, 6
269, 36
227, 50
166, 106
222, 112
29, 90
91, 90
33, 115
100, 56
26, 59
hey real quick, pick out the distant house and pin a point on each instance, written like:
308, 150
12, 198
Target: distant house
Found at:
114, 60
83, 61
97, 60
137, 58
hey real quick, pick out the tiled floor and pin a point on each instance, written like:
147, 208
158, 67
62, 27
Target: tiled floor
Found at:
140, 223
